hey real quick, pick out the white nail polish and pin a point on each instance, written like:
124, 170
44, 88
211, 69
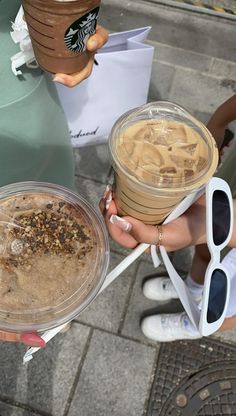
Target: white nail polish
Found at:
108, 201
108, 188
120, 222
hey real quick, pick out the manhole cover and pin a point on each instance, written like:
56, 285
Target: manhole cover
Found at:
177, 362
211, 391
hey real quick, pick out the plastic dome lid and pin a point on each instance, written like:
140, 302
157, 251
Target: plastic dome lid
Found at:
54, 255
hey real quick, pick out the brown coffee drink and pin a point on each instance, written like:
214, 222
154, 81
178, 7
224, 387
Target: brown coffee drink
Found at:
160, 153
59, 30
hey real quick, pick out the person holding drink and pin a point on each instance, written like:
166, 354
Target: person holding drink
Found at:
162, 289
187, 230
34, 138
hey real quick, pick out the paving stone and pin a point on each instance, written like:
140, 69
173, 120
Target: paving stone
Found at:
220, 3
182, 259
184, 29
161, 81
139, 306
106, 310
181, 57
224, 69
8, 410
115, 378
92, 162
92, 191
228, 336
203, 117
199, 92
44, 383
117, 248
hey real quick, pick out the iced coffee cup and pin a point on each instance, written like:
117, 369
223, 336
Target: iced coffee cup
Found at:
160, 153
54, 256
59, 30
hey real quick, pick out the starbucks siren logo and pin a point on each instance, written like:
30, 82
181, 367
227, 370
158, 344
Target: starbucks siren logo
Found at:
79, 32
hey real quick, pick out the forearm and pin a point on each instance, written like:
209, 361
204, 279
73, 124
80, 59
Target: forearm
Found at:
233, 239
219, 121
195, 229
190, 229
187, 230
226, 113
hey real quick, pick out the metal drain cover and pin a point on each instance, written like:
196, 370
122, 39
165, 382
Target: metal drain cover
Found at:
194, 378
211, 391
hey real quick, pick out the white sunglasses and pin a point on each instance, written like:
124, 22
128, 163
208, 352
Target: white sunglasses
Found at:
209, 316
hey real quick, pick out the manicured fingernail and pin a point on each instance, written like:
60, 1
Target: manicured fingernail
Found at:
120, 222
107, 196
59, 79
106, 192
108, 200
33, 340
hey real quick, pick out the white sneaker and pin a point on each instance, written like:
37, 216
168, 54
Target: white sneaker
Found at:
169, 327
160, 289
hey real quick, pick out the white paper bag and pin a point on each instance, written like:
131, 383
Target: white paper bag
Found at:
117, 84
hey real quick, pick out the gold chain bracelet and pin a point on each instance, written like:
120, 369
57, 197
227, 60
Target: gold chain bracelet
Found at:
160, 236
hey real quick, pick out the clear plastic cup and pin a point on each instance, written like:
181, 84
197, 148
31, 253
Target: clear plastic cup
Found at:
59, 30
54, 254
160, 153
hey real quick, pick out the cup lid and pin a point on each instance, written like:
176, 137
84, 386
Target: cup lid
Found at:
54, 255
160, 145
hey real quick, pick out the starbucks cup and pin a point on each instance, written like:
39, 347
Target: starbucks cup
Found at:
54, 255
160, 153
59, 30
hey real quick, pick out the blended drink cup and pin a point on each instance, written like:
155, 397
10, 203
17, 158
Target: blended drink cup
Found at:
59, 30
160, 153
54, 256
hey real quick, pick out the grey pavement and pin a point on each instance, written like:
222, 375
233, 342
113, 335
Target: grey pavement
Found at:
104, 365
202, 6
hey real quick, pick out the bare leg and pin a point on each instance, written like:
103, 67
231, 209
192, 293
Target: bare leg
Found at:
229, 323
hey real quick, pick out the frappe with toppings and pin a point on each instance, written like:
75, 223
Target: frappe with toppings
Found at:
53, 255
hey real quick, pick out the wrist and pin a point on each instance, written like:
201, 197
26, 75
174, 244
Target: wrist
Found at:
160, 236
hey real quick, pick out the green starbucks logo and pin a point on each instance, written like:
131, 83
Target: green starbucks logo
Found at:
79, 32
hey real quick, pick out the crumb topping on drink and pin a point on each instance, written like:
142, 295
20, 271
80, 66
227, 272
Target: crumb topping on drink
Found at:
47, 251
51, 230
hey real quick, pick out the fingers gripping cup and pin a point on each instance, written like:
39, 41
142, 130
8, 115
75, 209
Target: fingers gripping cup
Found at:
54, 256
160, 153
59, 30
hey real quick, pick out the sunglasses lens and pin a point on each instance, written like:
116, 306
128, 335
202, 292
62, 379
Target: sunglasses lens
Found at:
217, 296
221, 217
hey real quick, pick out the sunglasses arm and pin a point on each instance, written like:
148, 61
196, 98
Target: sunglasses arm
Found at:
185, 296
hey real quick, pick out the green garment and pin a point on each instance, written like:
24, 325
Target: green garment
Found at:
34, 137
